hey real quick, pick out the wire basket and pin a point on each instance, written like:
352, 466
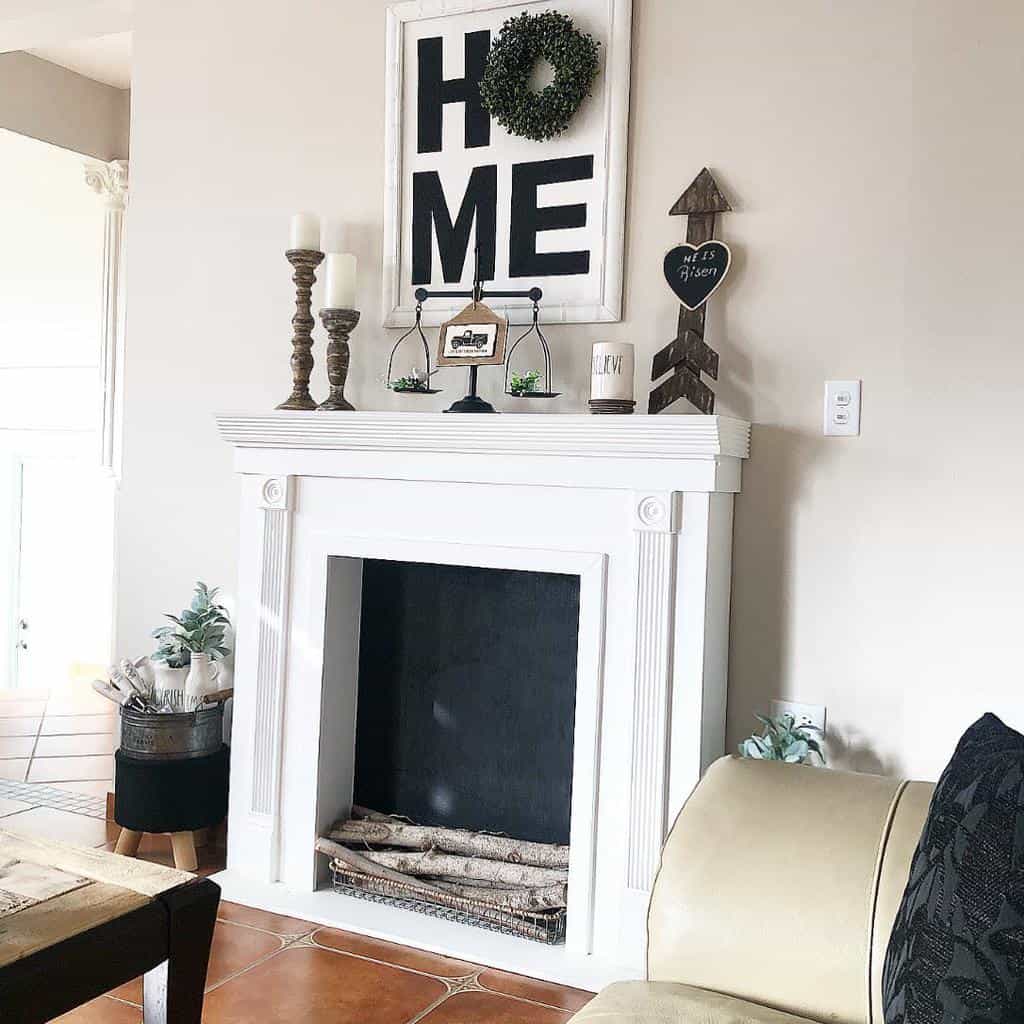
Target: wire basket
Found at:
547, 926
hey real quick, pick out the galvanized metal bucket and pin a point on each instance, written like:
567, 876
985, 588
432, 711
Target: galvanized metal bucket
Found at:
172, 737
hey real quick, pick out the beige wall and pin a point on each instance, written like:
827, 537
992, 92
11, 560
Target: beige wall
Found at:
872, 154
50, 103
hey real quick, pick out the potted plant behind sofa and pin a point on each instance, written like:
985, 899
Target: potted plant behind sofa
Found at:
783, 740
188, 648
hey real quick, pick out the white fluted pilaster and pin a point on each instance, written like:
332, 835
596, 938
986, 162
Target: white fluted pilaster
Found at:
110, 182
656, 526
275, 501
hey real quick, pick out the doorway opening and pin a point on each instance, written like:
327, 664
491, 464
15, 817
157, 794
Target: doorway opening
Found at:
57, 481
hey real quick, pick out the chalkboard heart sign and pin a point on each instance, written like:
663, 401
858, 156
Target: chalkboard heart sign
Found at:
693, 272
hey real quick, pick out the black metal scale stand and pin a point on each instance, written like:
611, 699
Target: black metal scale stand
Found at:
472, 402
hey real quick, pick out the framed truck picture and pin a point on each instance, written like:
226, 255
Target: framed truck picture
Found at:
546, 212
475, 337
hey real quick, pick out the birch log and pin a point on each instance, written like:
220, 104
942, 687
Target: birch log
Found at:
365, 812
501, 873
390, 832
547, 897
358, 862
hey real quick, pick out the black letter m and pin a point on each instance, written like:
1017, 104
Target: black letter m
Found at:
430, 212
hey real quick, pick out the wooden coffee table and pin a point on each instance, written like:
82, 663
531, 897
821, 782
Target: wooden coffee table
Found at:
76, 923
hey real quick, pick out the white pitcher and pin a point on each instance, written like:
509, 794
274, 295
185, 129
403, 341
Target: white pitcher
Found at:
167, 678
203, 676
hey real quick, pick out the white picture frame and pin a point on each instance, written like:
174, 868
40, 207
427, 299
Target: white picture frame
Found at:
611, 22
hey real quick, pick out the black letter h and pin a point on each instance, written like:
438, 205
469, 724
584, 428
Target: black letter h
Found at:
433, 92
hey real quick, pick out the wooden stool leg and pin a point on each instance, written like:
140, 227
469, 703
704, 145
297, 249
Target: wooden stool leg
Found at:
173, 991
184, 851
128, 842
201, 838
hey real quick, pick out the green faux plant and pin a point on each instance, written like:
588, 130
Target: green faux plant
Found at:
409, 383
200, 629
783, 740
505, 85
524, 383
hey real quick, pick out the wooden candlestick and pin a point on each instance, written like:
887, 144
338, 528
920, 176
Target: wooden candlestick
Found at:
305, 262
339, 324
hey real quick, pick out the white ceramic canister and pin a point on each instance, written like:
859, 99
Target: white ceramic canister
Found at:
611, 371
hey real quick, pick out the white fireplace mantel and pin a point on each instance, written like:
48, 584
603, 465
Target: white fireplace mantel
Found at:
679, 452
638, 507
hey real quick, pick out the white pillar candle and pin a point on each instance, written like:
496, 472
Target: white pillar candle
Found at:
611, 374
340, 284
305, 232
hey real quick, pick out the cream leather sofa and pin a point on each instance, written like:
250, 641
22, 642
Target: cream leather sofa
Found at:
773, 904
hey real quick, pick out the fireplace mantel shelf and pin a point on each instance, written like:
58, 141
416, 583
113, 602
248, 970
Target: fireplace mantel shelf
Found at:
637, 452
633, 437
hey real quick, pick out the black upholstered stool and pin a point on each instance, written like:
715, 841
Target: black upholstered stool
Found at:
181, 797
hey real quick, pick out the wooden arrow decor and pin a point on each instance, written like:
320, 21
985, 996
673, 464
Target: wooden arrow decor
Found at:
687, 355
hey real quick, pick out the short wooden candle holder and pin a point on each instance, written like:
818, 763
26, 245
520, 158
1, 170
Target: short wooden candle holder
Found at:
305, 262
339, 324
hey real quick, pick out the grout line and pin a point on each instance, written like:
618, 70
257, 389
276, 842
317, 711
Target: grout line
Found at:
285, 944
248, 967
65, 735
386, 963
474, 976
288, 937
447, 994
39, 732
529, 1002
122, 1001
50, 757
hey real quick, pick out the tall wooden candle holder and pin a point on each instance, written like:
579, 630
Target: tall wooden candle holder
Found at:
339, 324
305, 262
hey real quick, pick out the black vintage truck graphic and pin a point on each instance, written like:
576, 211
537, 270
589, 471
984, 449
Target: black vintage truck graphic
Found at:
468, 339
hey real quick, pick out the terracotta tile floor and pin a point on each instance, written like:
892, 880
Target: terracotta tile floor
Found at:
277, 969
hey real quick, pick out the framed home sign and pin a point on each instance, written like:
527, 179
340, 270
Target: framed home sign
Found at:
544, 204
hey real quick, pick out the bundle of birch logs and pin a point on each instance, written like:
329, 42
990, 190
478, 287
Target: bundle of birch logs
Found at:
449, 865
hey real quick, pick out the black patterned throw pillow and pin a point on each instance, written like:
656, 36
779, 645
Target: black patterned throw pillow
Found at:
956, 953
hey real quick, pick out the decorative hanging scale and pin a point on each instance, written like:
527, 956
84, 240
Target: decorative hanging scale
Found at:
531, 390
414, 383
475, 337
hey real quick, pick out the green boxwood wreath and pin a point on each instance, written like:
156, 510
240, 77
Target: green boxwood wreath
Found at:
504, 87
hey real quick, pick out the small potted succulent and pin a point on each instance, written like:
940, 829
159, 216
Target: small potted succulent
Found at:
187, 648
524, 383
783, 740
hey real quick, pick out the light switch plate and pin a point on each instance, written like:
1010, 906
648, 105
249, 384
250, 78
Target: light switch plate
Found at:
842, 408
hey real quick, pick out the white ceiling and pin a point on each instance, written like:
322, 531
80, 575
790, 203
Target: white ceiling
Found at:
106, 59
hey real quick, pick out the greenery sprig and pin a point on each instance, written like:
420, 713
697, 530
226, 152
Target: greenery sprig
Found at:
199, 629
524, 383
409, 383
505, 86
783, 740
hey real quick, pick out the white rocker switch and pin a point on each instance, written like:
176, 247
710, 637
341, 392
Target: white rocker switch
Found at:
842, 408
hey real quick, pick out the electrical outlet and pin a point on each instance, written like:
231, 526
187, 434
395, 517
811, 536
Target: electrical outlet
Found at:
803, 714
842, 408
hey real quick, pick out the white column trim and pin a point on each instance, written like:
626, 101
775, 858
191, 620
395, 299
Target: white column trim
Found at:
275, 500
657, 518
110, 182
